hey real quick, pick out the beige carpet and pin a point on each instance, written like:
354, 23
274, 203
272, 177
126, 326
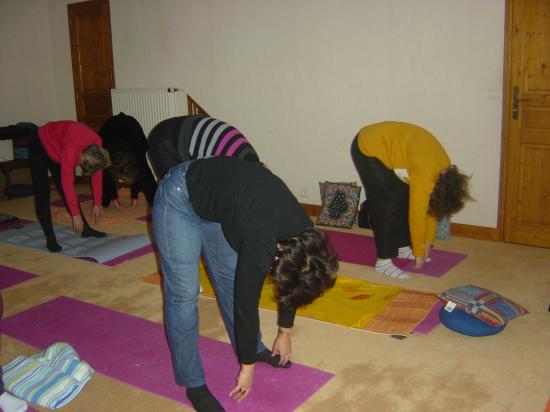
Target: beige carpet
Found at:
441, 371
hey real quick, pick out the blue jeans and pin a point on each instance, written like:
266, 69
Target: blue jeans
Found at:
180, 235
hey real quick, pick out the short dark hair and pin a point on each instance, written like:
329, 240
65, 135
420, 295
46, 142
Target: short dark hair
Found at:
450, 193
94, 158
305, 268
124, 166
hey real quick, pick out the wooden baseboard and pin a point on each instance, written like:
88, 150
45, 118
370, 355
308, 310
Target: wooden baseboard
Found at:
457, 229
475, 232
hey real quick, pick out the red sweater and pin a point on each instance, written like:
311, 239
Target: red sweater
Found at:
64, 142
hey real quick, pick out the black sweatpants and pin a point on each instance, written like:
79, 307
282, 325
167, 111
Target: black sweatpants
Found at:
387, 202
164, 141
40, 163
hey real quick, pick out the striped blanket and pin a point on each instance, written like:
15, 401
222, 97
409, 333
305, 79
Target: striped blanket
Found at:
50, 379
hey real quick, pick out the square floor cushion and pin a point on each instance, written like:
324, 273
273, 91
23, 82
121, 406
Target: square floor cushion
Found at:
486, 305
339, 204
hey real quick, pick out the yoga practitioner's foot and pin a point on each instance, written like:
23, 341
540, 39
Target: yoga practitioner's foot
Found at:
89, 232
203, 400
9, 403
406, 253
266, 357
387, 268
53, 246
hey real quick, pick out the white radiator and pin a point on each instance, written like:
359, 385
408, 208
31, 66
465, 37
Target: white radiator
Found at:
148, 105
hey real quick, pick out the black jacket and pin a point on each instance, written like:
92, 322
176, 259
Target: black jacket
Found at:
123, 133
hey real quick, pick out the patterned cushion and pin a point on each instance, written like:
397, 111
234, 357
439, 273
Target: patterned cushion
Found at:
339, 204
51, 378
323, 185
4, 218
443, 229
488, 306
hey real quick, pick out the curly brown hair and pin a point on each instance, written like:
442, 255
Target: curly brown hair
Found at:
305, 268
450, 193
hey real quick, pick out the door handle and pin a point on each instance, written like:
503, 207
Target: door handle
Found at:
515, 103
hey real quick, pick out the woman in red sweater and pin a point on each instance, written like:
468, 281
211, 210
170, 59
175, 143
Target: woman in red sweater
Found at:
59, 148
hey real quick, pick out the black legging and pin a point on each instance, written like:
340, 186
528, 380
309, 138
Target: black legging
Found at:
387, 202
40, 163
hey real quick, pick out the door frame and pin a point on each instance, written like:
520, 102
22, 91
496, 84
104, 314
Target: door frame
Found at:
506, 114
506, 111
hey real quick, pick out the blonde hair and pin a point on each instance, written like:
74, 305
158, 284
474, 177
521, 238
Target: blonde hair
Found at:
94, 158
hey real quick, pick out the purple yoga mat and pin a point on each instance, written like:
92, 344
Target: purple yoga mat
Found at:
10, 277
131, 255
81, 198
361, 249
430, 321
146, 218
134, 350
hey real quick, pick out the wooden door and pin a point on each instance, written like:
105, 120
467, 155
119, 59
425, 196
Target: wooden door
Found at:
526, 149
92, 59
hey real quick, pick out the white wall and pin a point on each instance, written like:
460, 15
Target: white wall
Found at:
300, 77
26, 68
35, 73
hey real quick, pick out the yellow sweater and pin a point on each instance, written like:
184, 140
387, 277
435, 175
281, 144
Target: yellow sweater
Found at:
405, 146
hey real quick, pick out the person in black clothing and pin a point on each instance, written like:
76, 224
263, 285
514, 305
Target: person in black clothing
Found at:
183, 138
264, 229
126, 143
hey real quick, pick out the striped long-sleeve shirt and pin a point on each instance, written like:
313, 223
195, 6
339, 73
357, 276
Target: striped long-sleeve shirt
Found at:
184, 138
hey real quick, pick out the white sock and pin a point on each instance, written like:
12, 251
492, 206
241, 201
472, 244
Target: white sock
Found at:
387, 268
406, 252
10, 403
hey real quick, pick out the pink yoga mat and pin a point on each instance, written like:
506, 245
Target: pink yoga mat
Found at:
361, 249
13, 224
134, 350
10, 277
430, 321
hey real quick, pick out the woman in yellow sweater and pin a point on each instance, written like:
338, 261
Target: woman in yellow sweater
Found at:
409, 183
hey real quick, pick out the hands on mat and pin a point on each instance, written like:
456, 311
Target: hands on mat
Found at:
117, 204
421, 260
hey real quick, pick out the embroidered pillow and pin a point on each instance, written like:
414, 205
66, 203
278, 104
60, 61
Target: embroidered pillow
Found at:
486, 305
322, 186
339, 204
443, 229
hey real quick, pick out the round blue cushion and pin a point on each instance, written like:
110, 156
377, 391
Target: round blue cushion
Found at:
20, 190
466, 324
